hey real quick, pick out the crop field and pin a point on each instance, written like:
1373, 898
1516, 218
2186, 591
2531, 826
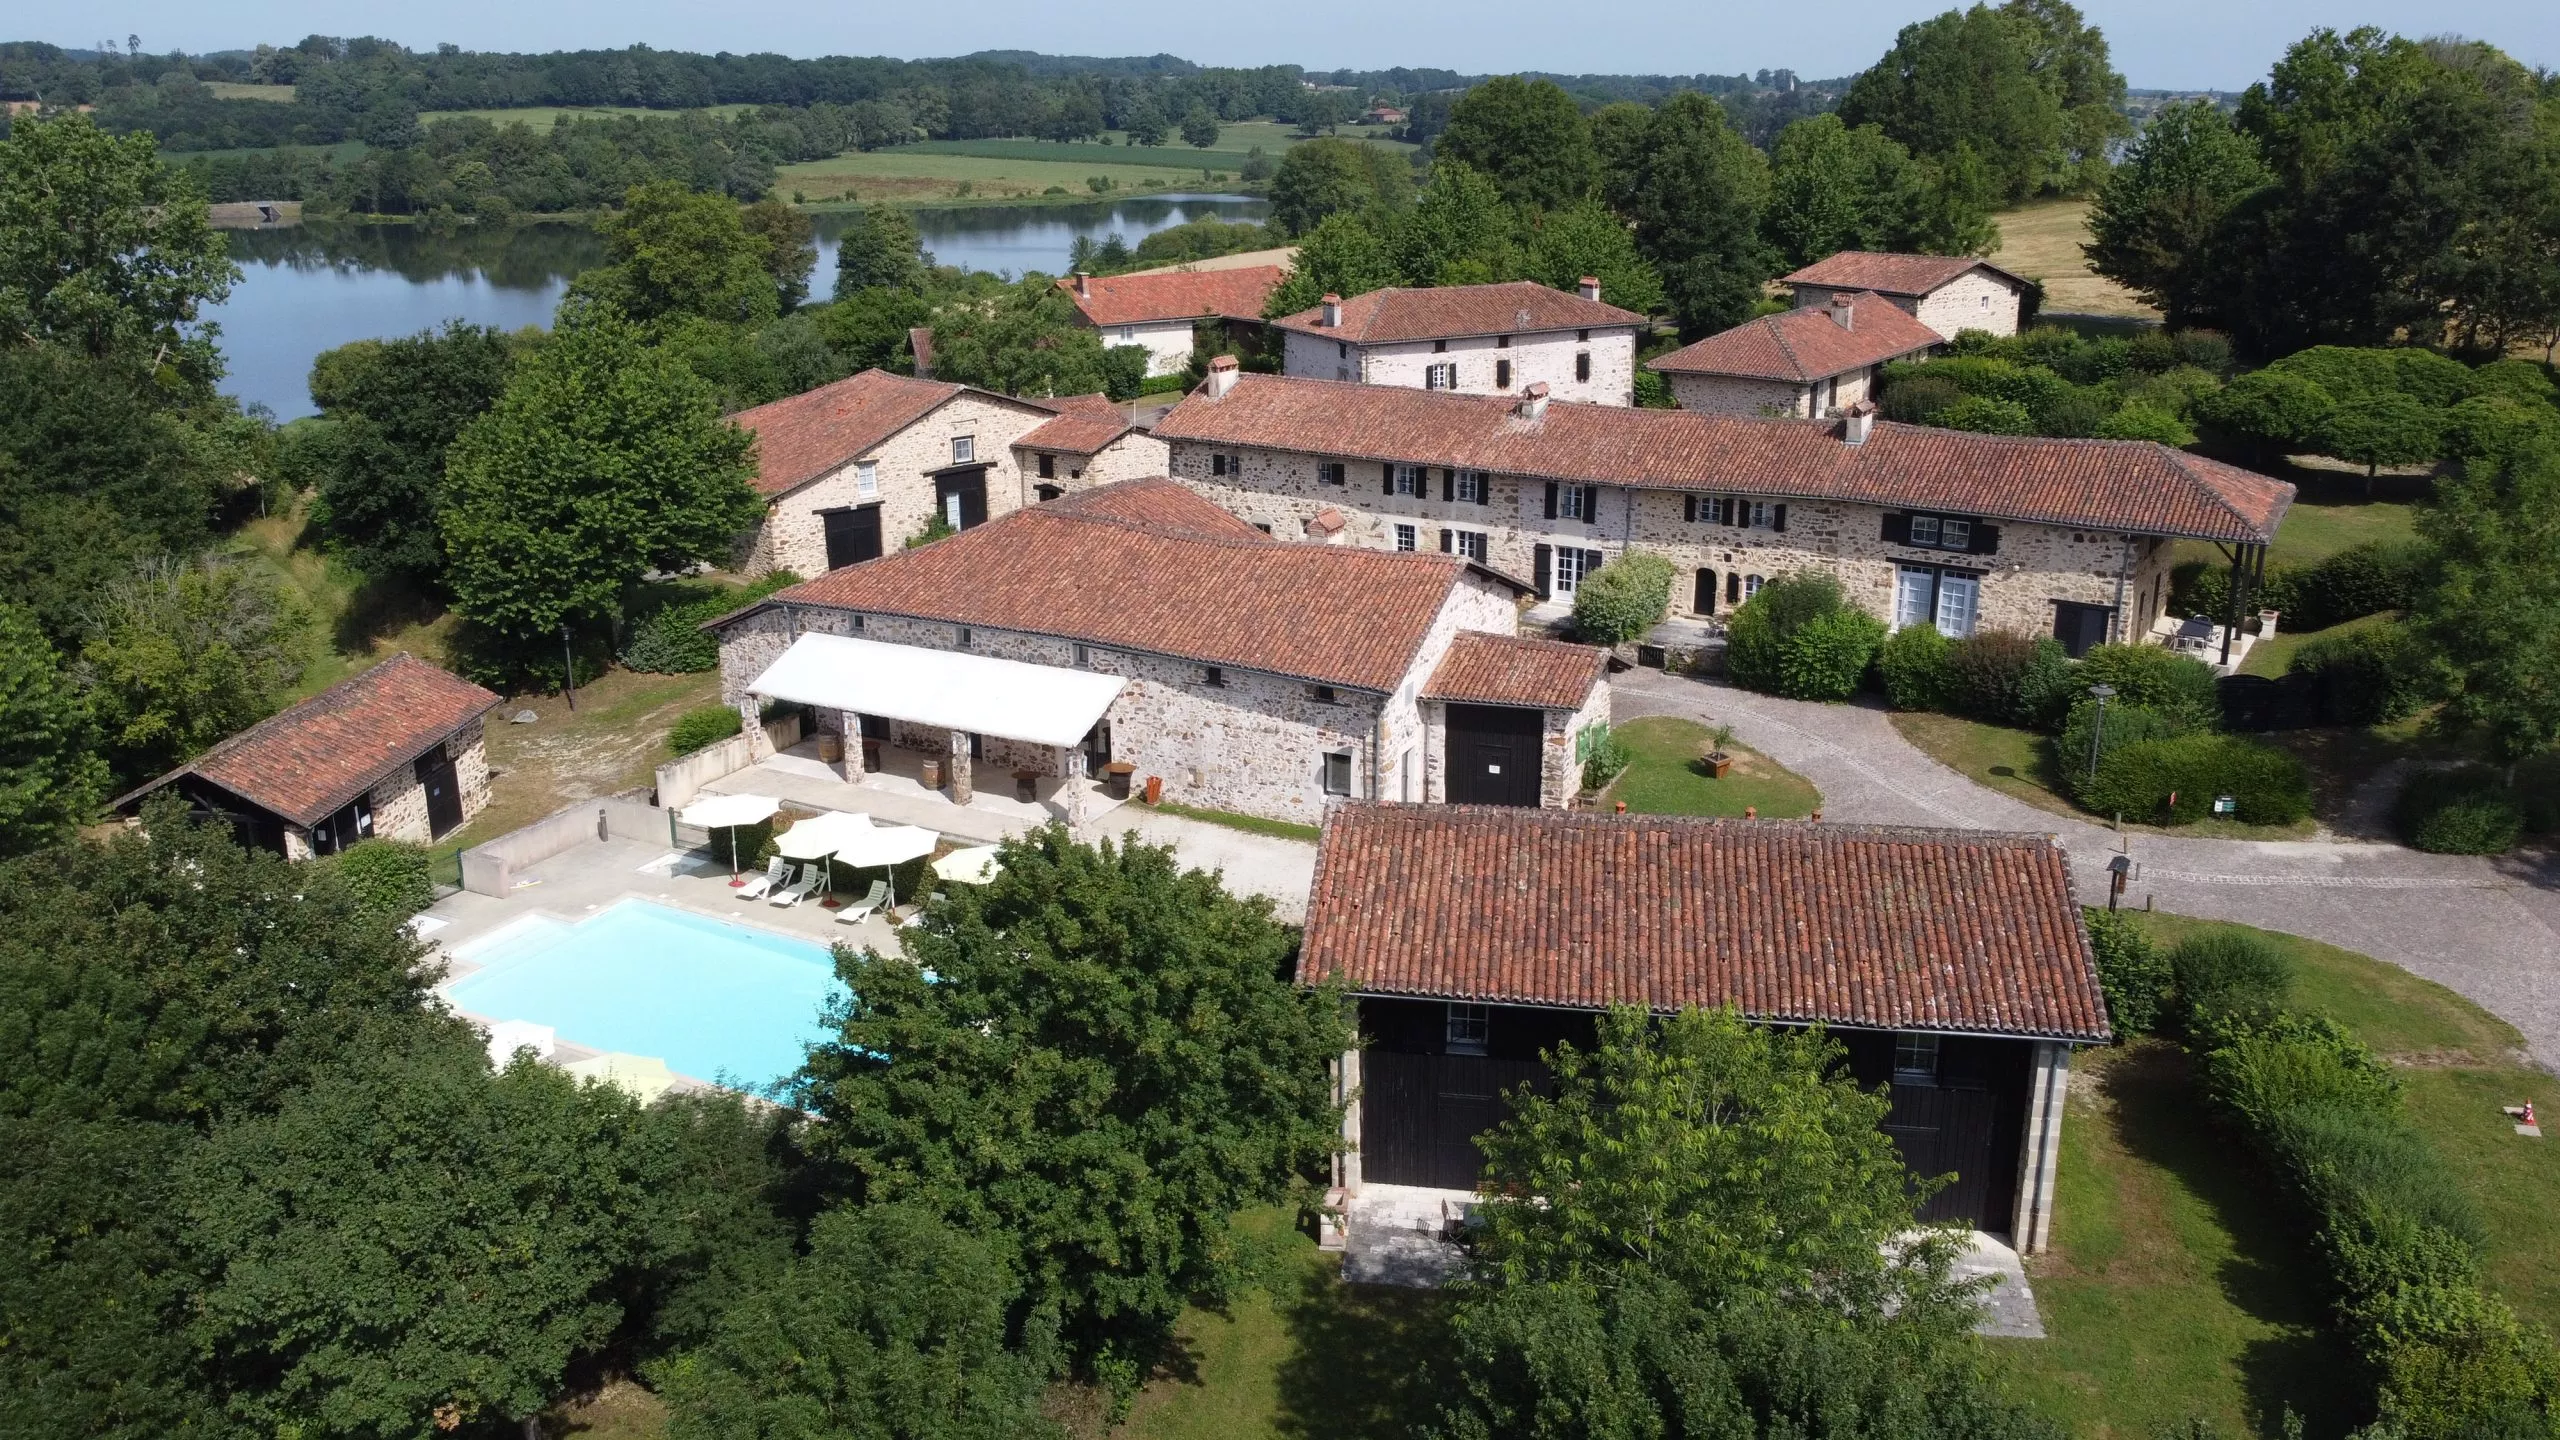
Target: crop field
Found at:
232, 90
2042, 242
904, 174
541, 116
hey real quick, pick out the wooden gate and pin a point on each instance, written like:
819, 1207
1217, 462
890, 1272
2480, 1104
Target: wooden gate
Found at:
1420, 1114
1494, 754
1939, 1129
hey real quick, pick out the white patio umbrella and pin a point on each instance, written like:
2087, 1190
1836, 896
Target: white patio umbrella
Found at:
974, 866
728, 812
823, 837
889, 845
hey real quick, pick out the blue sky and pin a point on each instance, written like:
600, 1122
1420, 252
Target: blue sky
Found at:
2158, 43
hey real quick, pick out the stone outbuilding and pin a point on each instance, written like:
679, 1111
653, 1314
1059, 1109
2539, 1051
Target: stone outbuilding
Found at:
1093, 441
1160, 309
1472, 340
1810, 362
1953, 967
1138, 631
395, 752
1948, 293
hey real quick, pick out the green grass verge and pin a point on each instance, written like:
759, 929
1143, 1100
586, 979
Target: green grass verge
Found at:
2021, 764
1251, 824
2328, 518
1669, 776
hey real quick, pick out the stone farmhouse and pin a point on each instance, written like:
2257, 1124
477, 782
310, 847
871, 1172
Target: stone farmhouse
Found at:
394, 752
1138, 631
1157, 309
2071, 538
853, 469
1948, 293
1091, 442
1811, 362
1953, 966
1471, 339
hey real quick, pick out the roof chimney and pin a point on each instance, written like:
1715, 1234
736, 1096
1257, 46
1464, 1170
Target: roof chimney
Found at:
1084, 286
1858, 422
1332, 313
1533, 402
1222, 376
1841, 311
1590, 287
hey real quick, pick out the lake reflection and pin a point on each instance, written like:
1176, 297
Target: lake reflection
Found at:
314, 287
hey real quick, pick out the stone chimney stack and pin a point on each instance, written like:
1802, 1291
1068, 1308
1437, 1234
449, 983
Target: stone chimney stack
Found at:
1857, 423
1332, 313
1084, 286
1590, 288
1842, 312
1533, 402
1222, 377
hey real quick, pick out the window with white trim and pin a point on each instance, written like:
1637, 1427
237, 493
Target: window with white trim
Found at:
1469, 543
964, 449
1329, 472
1577, 502
1941, 532
1443, 376
1406, 537
1915, 1056
1337, 772
1471, 486
1411, 480
866, 478
1128, 334
1751, 585
1950, 601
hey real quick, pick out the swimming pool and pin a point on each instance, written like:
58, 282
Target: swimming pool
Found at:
715, 1000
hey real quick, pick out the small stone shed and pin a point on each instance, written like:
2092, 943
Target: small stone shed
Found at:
1948, 293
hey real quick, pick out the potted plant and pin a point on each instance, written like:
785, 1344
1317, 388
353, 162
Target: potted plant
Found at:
1718, 760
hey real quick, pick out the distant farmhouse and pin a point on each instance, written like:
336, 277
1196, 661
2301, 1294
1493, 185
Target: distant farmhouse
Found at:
1948, 293
1470, 339
1159, 309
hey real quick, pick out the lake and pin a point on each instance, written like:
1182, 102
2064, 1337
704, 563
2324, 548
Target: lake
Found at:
311, 288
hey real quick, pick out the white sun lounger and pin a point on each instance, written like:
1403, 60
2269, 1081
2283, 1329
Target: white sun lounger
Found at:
811, 876
775, 872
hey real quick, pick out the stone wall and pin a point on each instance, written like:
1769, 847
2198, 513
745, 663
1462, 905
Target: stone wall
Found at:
400, 808
793, 538
1975, 300
1133, 456
1559, 774
1736, 395
470, 751
1535, 356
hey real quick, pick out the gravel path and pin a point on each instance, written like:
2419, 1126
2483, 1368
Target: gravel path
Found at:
2489, 929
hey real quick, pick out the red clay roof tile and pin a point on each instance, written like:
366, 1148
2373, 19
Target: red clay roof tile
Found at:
1086, 425
1890, 274
1236, 294
1483, 669
1448, 311
803, 437
1805, 345
1905, 929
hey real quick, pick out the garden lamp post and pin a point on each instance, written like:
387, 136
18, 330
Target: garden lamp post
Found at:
568, 668
2097, 732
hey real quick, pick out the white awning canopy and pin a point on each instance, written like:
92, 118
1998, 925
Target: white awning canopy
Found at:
947, 689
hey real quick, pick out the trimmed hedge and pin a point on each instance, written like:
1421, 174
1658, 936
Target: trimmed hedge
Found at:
2126, 725
387, 877
2152, 677
2175, 781
2469, 810
1623, 599
2358, 581
2002, 678
1827, 657
703, 725
1756, 636
2220, 975
1913, 665
2371, 675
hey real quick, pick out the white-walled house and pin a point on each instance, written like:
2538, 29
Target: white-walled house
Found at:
2071, 538
1470, 339
1948, 293
1139, 623
1808, 362
1159, 308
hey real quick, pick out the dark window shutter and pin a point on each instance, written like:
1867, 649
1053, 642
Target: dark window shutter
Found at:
1897, 528
1390, 470
1778, 518
1544, 558
1484, 487
1736, 512
1704, 601
1448, 484
1689, 508
1732, 586
1448, 541
1551, 514
1986, 539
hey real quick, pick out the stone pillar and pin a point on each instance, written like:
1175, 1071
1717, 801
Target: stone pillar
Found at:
1346, 1093
850, 729
1071, 790
751, 725
963, 783
2040, 1146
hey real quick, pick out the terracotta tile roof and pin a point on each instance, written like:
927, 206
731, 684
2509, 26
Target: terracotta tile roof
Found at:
1174, 295
2125, 486
1805, 345
1950, 930
1890, 274
1142, 566
805, 436
307, 762
1086, 424
1447, 311
1516, 670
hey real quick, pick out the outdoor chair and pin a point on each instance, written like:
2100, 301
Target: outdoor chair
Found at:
872, 899
775, 872
811, 877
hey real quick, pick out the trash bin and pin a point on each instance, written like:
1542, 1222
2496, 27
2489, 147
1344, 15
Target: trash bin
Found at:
1115, 779
932, 776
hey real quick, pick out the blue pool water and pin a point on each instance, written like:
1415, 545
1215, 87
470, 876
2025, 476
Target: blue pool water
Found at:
715, 1000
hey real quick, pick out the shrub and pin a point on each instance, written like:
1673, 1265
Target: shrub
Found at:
2267, 411
2175, 781
2152, 677
2358, 581
2224, 974
703, 725
2370, 675
2261, 1069
387, 877
1916, 398
1605, 757
2125, 725
2523, 381
2132, 971
1913, 664
1987, 416
2464, 811
1623, 599
2003, 678
2029, 387
1755, 637
2141, 420
2207, 350
2076, 413
1827, 657
671, 640
2537, 790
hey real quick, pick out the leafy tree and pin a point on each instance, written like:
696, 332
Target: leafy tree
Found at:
788, 256
1025, 340
103, 249
1586, 239
1695, 198
179, 655
1833, 188
672, 252
1332, 177
1341, 256
1199, 127
2138, 420
1965, 83
2268, 411
878, 249
893, 1325
50, 776
1108, 1062
2068, 56
604, 460
391, 409
2383, 430
867, 329
2155, 226
1705, 1232
1458, 232
1527, 135
2491, 610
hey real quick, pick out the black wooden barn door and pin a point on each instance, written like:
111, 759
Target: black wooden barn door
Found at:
444, 791
1494, 754
852, 535
1942, 1129
969, 489
1420, 1114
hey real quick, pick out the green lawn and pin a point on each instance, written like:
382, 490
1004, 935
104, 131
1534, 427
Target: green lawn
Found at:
1669, 777
914, 175
1254, 824
2326, 519
2021, 765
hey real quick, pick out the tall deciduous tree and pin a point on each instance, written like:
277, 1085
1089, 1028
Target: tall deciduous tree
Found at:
1026, 339
1528, 135
1832, 188
879, 249
1334, 177
2156, 225
1458, 232
673, 252
1587, 239
1965, 83
2491, 609
2068, 56
784, 232
1107, 1062
604, 460
390, 410
1341, 256
50, 774
1695, 192
180, 654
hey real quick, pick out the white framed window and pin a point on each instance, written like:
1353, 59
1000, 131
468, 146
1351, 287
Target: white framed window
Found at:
1955, 534
1406, 537
1751, 585
964, 449
1924, 529
1470, 1028
1572, 567
1577, 502
1951, 602
1915, 1057
1443, 376
1469, 543
1915, 597
1128, 334
1471, 486
866, 478
1337, 772
1329, 472
1756, 514
1412, 480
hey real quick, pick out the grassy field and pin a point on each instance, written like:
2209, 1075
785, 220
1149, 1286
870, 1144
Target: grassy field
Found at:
907, 175
2021, 765
233, 90
541, 117
355, 625
2041, 241
1669, 777
1250, 824
2323, 522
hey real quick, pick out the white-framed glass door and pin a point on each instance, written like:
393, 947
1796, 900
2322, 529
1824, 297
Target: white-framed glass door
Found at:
1915, 597
1959, 600
1571, 567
